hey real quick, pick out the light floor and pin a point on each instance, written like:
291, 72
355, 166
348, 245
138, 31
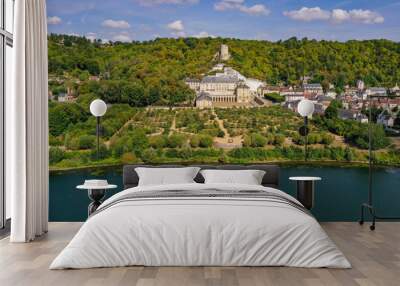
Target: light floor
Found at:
375, 257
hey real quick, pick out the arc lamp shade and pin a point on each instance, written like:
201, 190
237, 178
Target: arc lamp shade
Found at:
305, 108
98, 107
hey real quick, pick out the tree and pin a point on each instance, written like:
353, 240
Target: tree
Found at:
257, 140
176, 140
56, 155
133, 94
332, 111
139, 141
64, 114
87, 141
158, 141
195, 141
205, 141
348, 154
274, 97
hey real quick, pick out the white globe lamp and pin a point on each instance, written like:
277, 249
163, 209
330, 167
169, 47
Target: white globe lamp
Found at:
305, 108
98, 108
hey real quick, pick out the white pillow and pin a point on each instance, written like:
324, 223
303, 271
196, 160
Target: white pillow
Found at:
248, 177
166, 176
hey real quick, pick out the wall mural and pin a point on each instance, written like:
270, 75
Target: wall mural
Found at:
220, 100
195, 81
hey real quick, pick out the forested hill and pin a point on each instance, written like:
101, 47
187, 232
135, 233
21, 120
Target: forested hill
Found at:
158, 67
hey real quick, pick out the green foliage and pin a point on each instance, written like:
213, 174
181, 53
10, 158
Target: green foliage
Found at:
139, 141
158, 141
275, 97
205, 141
221, 133
195, 141
355, 133
279, 139
360, 137
103, 153
63, 115
148, 155
176, 140
87, 141
55, 155
332, 111
348, 155
254, 140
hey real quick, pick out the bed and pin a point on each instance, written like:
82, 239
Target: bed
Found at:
201, 224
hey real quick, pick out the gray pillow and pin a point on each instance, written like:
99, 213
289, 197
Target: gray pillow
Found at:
247, 177
166, 176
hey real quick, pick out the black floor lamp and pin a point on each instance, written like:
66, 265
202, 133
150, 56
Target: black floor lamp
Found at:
305, 108
369, 205
98, 108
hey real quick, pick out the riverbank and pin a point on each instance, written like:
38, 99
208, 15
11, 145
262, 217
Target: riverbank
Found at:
312, 163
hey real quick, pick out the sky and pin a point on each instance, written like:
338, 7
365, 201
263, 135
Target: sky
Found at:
128, 20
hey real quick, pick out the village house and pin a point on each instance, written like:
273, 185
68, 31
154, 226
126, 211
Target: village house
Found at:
292, 93
386, 118
313, 89
376, 91
350, 114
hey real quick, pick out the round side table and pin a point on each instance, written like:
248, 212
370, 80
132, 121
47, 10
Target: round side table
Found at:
96, 195
305, 190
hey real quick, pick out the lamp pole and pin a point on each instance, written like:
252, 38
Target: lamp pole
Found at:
305, 108
98, 136
98, 108
306, 138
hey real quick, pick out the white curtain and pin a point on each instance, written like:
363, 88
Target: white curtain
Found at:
27, 124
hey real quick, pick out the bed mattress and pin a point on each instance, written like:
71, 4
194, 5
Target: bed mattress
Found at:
201, 225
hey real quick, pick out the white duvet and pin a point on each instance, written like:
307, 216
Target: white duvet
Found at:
199, 231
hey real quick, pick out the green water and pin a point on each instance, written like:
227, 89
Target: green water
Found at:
338, 196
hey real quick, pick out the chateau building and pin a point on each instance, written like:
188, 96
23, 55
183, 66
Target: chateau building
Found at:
222, 89
313, 88
224, 86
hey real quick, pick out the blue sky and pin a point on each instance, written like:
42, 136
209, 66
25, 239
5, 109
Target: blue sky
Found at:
127, 20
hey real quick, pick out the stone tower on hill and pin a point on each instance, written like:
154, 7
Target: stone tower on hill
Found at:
224, 53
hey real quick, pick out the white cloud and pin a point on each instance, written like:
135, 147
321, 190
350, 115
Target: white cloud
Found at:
115, 24
239, 5
336, 16
203, 34
54, 20
339, 16
257, 9
366, 16
160, 2
177, 28
308, 14
122, 37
